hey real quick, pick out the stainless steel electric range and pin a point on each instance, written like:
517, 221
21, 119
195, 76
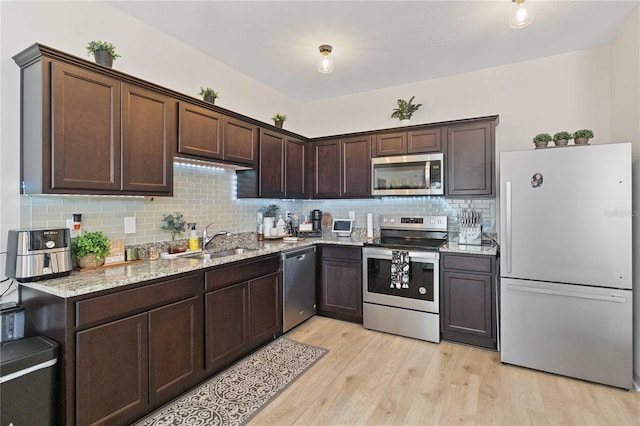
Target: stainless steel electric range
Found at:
401, 273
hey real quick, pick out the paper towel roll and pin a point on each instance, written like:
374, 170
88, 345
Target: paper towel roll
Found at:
369, 225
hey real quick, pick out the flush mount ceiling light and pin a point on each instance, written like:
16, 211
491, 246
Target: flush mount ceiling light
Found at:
522, 14
325, 64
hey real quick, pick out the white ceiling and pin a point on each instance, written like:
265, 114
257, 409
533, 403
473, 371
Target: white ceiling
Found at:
377, 44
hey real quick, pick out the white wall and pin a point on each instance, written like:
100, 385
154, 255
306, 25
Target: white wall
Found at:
565, 92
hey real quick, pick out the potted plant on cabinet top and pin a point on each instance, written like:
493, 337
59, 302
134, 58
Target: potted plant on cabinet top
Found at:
542, 140
90, 249
582, 136
209, 95
278, 120
103, 52
175, 224
562, 138
405, 110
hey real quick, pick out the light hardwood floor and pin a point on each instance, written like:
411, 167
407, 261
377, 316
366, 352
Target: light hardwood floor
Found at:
372, 378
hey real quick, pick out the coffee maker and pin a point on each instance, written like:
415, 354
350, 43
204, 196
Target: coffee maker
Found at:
316, 220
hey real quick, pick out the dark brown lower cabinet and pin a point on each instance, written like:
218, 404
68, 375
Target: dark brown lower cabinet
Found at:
468, 292
339, 289
243, 311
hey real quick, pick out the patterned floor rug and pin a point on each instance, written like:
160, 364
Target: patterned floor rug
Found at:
237, 394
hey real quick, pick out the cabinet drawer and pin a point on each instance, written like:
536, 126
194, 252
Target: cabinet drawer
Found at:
110, 306
239, 272
485, 264
342, 253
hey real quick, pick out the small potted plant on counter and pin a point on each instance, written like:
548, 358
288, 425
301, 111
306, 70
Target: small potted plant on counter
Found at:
582, 136
90, 249
278, 120
209, 95
103, 52
405, 110
542, 140
176, 225
562, 138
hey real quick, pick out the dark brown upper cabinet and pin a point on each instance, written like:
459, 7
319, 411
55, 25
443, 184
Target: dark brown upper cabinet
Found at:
342, 168
209, 135
412, 142
281, 169
470, 154
200, 131
86, 131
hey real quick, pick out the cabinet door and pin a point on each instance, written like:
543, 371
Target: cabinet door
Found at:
427, 140
356, 167
226, 320
148, 138
85, 144
175, 348
294, 166
327, 169
240, 142
470, 160
271, 164
341, 290
200, 132
112, 372
391, 144
468, 308
265, 311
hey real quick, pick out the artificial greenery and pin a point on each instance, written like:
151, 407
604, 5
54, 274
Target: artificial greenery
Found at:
542, 137
405, 109
208, 92
562, 136
174, 223
94, 46
279, 117
583, 134
270, 211
91, 242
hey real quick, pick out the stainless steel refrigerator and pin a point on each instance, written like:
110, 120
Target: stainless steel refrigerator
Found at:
565, 262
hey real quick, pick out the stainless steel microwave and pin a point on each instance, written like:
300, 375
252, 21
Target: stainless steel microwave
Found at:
421, 174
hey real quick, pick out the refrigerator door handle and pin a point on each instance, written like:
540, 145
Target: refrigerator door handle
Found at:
610, 298
507, 219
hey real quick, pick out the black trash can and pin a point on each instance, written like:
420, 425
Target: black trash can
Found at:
27, 380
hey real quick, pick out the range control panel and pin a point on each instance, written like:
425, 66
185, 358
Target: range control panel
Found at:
424, 223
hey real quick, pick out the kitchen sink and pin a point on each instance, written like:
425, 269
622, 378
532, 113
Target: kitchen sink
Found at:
218, 254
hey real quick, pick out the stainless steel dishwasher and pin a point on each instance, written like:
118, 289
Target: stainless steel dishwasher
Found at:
299, 286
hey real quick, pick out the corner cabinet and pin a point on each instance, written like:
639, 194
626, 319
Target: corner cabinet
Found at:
342, 168
281, 168
339, 283
87, 131
470, 156
468, 289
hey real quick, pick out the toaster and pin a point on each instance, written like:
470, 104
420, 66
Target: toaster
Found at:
11, 322
38, 254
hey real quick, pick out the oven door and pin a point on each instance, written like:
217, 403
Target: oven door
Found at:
424, 272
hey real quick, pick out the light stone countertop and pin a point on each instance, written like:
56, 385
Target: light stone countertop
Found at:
490, 249
82, 283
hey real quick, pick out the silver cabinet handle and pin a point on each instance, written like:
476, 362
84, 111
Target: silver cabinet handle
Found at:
508, 224
609, 298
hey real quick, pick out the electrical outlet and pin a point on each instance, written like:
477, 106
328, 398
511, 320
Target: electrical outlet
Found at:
352, 215
130, 225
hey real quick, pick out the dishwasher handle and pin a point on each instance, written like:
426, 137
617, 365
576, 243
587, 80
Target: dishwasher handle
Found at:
299, 254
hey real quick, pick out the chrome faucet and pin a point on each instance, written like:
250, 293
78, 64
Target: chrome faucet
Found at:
206, 239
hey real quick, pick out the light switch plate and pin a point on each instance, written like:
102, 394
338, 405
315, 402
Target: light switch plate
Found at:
352, 215
130, 225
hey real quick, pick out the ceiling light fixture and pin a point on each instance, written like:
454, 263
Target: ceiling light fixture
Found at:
325, 64
522, 14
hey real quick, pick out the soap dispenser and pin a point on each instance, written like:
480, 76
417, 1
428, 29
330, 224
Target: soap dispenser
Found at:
193, 238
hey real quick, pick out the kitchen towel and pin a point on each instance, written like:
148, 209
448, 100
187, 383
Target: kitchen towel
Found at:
399, 269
